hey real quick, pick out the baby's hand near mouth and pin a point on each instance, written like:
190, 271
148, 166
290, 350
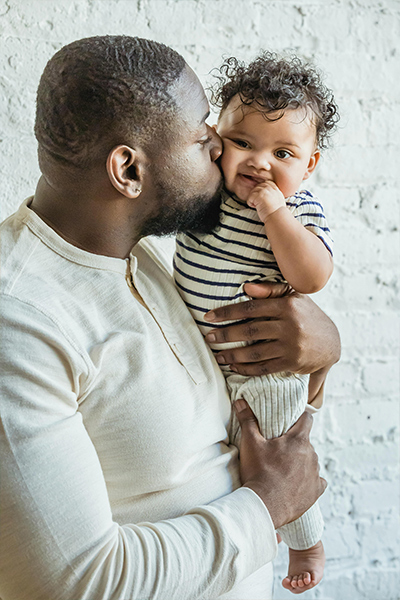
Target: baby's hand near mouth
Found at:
266, 198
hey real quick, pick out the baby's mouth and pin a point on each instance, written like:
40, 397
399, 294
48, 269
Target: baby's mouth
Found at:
252, 178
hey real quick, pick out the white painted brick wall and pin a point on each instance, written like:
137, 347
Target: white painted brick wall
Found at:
356, 43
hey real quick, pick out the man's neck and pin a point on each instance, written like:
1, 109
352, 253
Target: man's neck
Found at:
89, 221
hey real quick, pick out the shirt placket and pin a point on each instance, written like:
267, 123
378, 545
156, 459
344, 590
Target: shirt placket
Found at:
183, 351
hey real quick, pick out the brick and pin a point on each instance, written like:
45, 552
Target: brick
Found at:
375, 498
360, 585
385, 584
377, 456
341, 541
21, 153
369, 248
344, 378
367, 421
365, 289
353, 122
380, 541
382, 377
369, 334
374, 164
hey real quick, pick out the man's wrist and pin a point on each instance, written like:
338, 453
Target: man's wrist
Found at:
273, 507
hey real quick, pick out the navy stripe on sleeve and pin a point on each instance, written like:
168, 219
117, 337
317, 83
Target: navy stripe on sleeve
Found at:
205, 281
251, 233
304, 202
320, 215
213, 269
209, 296
254, 262
241, 218
243, 244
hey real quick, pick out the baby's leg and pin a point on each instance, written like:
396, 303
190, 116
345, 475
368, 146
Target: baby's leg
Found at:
306, 568
277, 400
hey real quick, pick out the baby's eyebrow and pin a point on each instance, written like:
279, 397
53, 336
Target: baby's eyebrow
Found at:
287, 143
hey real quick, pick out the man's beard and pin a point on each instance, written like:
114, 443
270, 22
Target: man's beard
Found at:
180, 214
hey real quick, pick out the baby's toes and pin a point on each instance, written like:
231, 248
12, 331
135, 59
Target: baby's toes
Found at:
305, 578
300, 581
295, 581
286, 583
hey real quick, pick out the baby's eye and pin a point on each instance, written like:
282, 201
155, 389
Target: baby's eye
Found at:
241, 143
282, 154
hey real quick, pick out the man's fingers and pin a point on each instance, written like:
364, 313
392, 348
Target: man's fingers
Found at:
251, 331
302, 427
249, 309
253, 353
247, 419
267, 290
256, 307
272, 365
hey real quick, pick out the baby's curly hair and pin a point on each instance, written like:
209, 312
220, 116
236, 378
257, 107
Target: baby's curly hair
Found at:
276, 83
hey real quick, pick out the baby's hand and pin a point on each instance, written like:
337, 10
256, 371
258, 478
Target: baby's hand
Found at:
266, 198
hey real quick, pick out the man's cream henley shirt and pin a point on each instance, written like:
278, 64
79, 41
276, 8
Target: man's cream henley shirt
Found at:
117, 480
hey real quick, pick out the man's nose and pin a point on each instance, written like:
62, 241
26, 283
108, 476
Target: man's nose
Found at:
215, 145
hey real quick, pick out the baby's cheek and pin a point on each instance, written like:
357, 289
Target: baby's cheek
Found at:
225, 164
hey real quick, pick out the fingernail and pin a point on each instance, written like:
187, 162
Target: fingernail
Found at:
210, 337
210, 316
233, 368
239, 405
221, 359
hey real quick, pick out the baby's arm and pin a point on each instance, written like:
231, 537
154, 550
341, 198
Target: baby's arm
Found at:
302, 257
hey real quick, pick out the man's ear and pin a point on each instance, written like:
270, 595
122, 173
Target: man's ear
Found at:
125, 170
314, 158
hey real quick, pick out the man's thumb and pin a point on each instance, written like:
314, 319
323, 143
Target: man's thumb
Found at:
247, 419
267, 290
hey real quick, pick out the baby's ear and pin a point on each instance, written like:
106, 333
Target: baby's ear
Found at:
314, 158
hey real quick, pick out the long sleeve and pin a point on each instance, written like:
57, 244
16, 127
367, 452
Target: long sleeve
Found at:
58, 540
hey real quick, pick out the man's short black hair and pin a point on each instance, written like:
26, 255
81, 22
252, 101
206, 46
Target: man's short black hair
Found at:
103, 91
274, 83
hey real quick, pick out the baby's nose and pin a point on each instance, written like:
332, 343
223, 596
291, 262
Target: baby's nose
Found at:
260, 160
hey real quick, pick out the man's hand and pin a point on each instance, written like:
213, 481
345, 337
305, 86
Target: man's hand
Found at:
286, 333
283, 471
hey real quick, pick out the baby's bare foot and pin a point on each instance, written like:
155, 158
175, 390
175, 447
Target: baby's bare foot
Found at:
306, 568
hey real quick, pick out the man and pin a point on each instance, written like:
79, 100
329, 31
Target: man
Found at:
118, 481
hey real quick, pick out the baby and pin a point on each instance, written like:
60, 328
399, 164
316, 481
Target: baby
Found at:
276, 116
